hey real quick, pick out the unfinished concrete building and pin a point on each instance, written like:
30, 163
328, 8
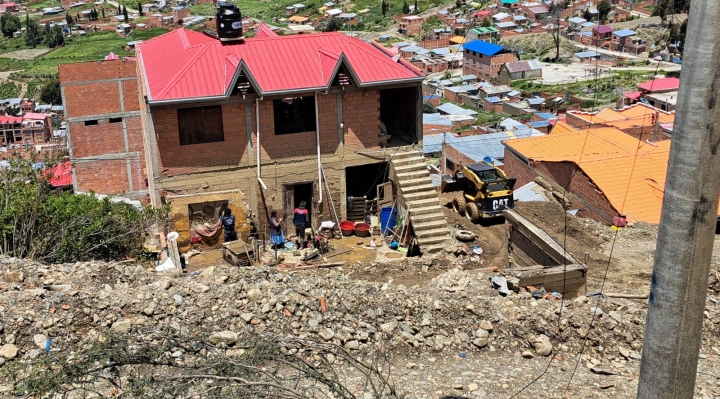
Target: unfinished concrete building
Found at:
270, 121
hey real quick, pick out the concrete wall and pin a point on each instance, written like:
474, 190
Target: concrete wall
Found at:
109, 157
535, 243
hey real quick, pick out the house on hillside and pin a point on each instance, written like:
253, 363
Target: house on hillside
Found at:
626, 40
410, 25
606, 171
223, 131
575, 23
512, 5
484, 60
519, 70
8, 7
600, 35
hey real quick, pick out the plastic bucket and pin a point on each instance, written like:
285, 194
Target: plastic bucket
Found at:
362, 230
387, 219
347, 227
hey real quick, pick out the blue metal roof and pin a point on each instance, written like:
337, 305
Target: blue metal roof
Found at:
588, 24
577, 20
452, 109
514, 93
546, 116
440, 51
468, 77
536, 101
493, 99
482, 47
624, 33
480, 146
436, 119
538, 124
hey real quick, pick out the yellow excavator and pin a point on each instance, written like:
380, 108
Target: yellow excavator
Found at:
482, 190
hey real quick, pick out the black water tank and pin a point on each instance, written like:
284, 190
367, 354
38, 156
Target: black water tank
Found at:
229, 23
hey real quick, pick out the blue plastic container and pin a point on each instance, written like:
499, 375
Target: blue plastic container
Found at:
387, 219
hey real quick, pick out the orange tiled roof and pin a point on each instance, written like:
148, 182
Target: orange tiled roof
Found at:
562, 127
636, 115
608, 157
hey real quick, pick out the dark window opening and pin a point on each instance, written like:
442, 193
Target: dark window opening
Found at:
294, 115
200, 125
91, 123
342, 78
115, 120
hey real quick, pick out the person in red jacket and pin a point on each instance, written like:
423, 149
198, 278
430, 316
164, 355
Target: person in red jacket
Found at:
300, 220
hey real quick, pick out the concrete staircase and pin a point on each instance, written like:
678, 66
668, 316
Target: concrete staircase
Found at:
426, 214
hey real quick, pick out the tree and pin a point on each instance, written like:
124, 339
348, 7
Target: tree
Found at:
556, 29
68, 18
125, 14
486, 22
140, 9
50, 93
333, 25
660, 10
383, 7
458, 3
405, 8
417, 9
9, 24
59, 36
103, 12
586, 15
32, 32
604, 7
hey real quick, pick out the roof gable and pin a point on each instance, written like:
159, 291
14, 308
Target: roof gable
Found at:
184, 64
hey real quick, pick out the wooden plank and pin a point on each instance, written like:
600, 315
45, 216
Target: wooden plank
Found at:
549, 278
545, 283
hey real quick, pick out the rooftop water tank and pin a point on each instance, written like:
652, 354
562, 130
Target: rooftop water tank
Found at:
229, 23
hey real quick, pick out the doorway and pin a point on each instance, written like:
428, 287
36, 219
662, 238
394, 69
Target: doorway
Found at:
293, 193
362, 181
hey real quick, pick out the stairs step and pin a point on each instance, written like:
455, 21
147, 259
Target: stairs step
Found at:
420, 203
425, 210
425, 241
429, 225
420, 195
405, 154
408, 160
437, 232
431, 249
412, 175
414, 182
428, 217
415, 167
418, 188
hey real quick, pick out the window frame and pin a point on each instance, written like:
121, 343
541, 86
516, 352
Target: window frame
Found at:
283, 125
199, 129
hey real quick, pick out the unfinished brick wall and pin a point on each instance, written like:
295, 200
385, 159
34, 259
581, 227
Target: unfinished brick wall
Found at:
104, 128
576, 121
174, 158
361, 115
457, 157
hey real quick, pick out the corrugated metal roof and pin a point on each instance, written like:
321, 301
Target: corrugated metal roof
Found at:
523, 66
493, 99
452, 109
624, 33
436, 119
602, 29
577, 20
505, 24
660, 84
586, 54
529, 192
480, 146
482, 47
183, 64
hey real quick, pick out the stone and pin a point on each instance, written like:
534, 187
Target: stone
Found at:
121, 326
254, 294
389, 327
13, 277
480, 333
480, 342
326, 334
472, 387
223, 337
47, 323
148, 311
352, 345
247, 317
34, 353
40, 340
8, 351
542, 345
527, 354
486, 325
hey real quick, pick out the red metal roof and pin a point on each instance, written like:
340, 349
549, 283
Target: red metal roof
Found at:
660, 84
10, 119
602, 29
633, 95
264, 31
61, 174
34, 116
184, 64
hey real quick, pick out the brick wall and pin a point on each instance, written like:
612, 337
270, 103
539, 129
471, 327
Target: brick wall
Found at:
108, 157
361, 114
457, 157
177, 159
576, 121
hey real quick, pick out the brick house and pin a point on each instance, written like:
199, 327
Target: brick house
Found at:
484, 60
626, 40
519, 70
601, 34
513, 5
179, 13
36, 128
10, 130
410, 24
8, 7
104, 132
246, 125
606, 172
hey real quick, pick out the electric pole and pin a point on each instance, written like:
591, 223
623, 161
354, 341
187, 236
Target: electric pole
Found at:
685, 238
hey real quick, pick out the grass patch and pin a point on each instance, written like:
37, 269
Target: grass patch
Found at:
93, 47
202, 9
9, 90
